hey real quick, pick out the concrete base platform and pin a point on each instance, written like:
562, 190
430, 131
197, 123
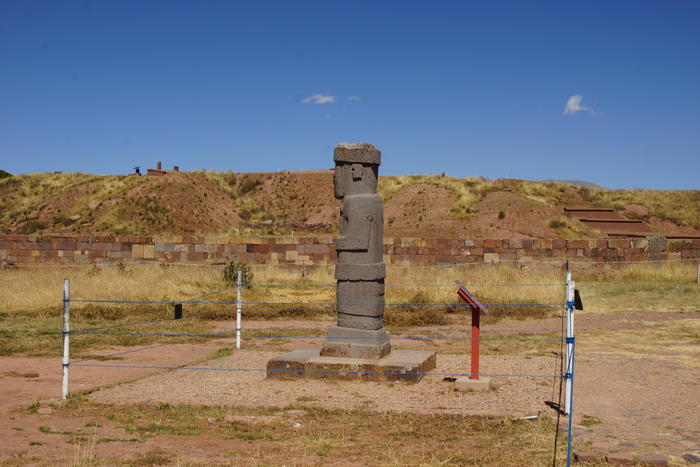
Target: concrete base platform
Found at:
399, 365
464, 383
356, 343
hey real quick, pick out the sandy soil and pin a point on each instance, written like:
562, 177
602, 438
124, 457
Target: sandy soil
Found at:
642, 405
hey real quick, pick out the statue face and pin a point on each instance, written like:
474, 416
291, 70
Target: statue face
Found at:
350, 179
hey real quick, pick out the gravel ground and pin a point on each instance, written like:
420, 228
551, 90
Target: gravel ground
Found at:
635, 401
512, 396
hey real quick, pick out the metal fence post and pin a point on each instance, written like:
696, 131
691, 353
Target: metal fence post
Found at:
570, 435
66, 335
570, 285
239, 284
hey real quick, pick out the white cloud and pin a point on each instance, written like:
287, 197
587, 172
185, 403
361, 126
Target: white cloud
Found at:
353, 98
573, 105
318, 99
328, 116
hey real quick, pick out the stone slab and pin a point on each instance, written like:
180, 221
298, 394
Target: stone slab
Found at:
622, 458
653, 459
464, 383
356, 343
588, 457
399, 365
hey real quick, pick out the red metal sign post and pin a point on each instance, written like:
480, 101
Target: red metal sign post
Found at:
477, 308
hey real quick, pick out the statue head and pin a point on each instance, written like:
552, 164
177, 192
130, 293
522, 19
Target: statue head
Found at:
356, 169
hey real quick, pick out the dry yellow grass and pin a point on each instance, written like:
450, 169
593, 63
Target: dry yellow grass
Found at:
466, 191
676, 341
38, 291
32, 306
324, 436
31, 303
679, 206
20, 195
655, 287
23, 196
435, 284
568, 227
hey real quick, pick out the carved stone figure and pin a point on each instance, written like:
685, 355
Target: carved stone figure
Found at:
360, 270
358, 346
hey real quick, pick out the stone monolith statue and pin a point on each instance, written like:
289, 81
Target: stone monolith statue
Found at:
360, 270
358, 346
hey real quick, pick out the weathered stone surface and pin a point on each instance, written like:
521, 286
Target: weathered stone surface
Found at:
356, 343
588, 457
360, 270
622, 458
399, 365
653, 459
20, 249
466, 384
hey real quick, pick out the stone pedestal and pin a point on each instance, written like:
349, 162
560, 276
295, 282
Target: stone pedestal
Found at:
358, 347
399, 365
356, 343
464, 383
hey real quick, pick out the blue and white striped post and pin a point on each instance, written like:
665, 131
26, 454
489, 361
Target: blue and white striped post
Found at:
239, 305
66, 335
570, 285
570, 356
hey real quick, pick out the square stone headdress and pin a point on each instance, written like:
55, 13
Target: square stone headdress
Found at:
357, 153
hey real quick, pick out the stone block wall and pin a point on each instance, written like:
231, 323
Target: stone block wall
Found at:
307, 251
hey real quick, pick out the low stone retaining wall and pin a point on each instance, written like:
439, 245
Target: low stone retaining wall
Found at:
85, 249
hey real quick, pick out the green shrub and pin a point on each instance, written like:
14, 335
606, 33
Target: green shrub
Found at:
231, 272
4, 174
249, 184
31, 227
557, 223
418, 313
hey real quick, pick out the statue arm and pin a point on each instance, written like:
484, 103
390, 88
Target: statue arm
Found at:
357, 232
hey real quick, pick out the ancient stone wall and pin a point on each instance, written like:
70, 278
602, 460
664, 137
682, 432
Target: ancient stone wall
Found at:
85, 249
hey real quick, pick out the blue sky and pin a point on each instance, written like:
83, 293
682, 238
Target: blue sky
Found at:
465, 88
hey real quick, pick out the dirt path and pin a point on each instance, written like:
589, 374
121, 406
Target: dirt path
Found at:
622, 404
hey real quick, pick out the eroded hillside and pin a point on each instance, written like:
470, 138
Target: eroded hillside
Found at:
280, 202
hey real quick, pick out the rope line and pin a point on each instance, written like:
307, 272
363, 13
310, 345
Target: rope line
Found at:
275, 336
342, 372
208, 294
99, 357
157, 320
330, 266
448, 309
199, 302
524, 331
211, 312
409, 330
412, 285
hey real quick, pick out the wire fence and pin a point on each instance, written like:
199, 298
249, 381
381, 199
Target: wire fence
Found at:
557, 262
563, 364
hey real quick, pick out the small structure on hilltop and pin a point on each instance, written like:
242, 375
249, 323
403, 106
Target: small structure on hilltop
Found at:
160, 171
358, 346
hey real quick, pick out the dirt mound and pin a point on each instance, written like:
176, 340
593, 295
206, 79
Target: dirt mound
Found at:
177, 203
305, 197
230, 203
419, 208
505, 214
